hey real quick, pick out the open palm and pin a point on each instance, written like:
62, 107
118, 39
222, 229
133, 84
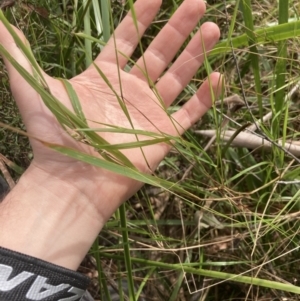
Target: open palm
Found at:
100, 104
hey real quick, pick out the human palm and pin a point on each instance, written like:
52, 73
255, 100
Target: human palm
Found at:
145, 107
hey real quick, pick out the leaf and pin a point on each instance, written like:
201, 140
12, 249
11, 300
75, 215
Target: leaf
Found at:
265, 35
74, 99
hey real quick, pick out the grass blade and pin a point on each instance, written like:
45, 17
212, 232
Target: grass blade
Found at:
280, 74
74, 99
271, 34
88, 32
215, 274
126, 248
253, 54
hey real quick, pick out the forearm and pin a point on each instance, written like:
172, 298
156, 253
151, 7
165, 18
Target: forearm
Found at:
49, 219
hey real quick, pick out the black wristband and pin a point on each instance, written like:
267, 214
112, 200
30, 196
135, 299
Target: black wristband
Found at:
25, 278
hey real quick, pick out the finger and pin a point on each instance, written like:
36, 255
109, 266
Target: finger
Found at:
126, 36
197, 106
165, 46
187, 64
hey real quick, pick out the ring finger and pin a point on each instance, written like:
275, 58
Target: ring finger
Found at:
165, 46
187, 64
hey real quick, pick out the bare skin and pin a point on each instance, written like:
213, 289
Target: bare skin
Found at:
59, 205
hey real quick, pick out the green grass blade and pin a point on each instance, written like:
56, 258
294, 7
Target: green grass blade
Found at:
245, 171
121, 130
215, 274
97, 14
87, 31
74, 99
282, 57
92, 39
272, 34
126, 171
105, 15
233, 21
253, 55
126, 248
130, 145
280, 74
71, 48
101, 274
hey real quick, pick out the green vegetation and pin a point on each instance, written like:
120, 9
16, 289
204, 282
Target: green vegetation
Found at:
220, 219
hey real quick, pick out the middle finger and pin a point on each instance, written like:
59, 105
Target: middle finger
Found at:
167, 43
185, 67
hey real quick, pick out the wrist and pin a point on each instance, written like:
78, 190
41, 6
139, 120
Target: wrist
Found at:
49, 218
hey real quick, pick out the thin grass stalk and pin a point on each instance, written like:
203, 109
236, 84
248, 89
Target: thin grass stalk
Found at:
72, 49
35, 42
76, 27
146, 278
284, 130
177, 286
214, 274
97, 14
105, 294
120, 265
64, 3
105, 16
150, 82
280, 73
216, 117
74, 99
87, 31
101, 275
245, 171
272, 34
282, 56
233, 21
119, 262
253, 55
126, 248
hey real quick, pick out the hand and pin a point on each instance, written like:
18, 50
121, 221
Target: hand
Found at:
103, 190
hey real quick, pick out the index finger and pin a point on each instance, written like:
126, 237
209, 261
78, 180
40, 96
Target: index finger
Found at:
126, 36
